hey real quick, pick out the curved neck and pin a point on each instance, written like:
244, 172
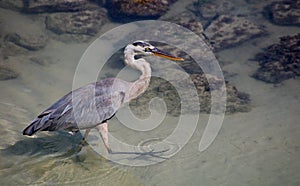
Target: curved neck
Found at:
139, 86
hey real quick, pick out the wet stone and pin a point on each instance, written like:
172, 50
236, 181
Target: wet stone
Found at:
139, 8
211, 9
42, 6
11, 4
236, 101
87, 22
29, 41
279, 61
284, 12
43, 61
228, 30
7, 73
12, 117
11, 49
187, 20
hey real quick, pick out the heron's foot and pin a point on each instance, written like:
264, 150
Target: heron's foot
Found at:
83, 142
109, 151
108, 148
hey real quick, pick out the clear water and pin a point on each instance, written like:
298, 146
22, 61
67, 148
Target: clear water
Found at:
260, 147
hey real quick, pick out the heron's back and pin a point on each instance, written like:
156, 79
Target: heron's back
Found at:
82, 108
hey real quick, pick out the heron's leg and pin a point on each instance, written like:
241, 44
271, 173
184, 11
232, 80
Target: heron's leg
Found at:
83, 141
103, 131
87, 131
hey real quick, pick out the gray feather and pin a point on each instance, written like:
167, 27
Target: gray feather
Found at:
82, 108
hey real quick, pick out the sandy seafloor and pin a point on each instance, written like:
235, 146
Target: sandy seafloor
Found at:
260, 147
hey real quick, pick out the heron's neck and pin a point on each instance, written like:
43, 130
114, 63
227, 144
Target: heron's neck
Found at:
140, 85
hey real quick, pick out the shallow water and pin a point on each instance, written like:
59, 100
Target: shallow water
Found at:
260, 147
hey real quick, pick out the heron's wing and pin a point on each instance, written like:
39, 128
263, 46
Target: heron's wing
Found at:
83, 108
47, 119
95, 107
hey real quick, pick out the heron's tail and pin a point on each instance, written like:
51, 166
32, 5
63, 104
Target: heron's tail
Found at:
32, 128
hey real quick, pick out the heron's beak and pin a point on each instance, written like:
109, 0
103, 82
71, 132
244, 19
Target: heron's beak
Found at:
163, 54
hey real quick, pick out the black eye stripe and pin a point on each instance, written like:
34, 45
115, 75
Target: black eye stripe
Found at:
139, 43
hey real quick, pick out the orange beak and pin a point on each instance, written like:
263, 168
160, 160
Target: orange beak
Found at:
163, 54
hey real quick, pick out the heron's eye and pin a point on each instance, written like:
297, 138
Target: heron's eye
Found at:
147, 49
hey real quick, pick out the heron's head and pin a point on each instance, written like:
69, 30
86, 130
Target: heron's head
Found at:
145, 48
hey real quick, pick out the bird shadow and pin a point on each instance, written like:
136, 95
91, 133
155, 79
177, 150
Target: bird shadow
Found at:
62, 145
59, 143
151, 153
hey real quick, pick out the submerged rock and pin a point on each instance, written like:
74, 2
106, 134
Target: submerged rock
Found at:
12, 118
12, 4
87, 22
284, 12
187, 20
41, 6
228, 30
279, 61
236, 101
29, 41
139, 8
211, 9
7, 73
43, 61
11, 49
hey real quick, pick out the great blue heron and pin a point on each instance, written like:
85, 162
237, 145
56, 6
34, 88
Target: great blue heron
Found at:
73, 111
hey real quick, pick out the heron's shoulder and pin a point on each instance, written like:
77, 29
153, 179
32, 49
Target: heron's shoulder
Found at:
112, 83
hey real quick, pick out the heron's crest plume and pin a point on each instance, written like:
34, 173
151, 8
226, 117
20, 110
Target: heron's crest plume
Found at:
144, 48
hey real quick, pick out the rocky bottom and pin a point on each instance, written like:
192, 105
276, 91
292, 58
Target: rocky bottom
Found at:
236, 101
